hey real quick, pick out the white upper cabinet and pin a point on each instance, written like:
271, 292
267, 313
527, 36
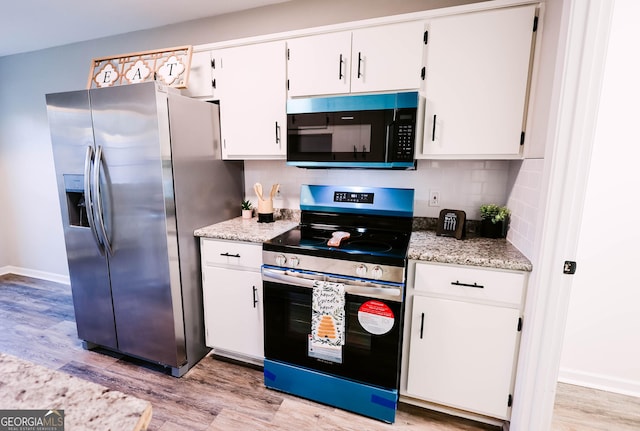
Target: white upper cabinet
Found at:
477, 71
250, 83
319, 64
374, 59
200, 76
387, 57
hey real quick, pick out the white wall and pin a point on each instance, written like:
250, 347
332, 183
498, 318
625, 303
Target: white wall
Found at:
30, 227
4, 212
601, 347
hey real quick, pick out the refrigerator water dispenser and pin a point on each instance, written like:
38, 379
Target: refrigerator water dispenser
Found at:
74, 188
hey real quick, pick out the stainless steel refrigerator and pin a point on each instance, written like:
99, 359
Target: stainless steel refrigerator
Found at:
138, 169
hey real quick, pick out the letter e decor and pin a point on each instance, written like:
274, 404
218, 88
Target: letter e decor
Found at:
170, 66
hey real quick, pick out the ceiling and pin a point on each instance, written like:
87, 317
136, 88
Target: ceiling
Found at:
30, 25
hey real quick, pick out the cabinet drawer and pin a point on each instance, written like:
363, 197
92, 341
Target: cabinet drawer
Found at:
470, 283
231, 253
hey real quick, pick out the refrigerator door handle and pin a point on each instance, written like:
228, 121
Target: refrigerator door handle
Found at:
99, 210
88, 197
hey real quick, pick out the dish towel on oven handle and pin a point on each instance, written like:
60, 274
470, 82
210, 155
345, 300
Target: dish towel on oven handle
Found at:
327, 313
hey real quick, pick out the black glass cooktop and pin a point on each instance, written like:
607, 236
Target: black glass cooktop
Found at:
369, 245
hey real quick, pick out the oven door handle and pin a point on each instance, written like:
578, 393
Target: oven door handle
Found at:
281, 276
391, 293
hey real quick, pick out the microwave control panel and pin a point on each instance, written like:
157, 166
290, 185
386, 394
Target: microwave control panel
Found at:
403, 138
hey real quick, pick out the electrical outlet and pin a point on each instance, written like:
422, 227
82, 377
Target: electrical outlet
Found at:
434, 199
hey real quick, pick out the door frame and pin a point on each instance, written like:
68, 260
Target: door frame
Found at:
569, 143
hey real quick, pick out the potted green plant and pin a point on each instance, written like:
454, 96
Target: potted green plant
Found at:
494, 220
247, 211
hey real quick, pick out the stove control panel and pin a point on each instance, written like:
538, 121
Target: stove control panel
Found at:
352, 197
325, 265
281, 260
361, 270
376, 273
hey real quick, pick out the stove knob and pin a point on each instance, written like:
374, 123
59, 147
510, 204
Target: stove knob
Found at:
281, 260
361, 270
376, 273
294, 261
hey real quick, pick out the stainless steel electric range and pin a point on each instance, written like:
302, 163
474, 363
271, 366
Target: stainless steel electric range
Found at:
334, 298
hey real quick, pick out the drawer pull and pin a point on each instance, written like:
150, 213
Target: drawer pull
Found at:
229, 255
421, 325
476, 285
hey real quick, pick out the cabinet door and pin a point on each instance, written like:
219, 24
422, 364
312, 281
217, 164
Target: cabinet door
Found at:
251, 88
319, 65
233, 310
462, 354
477, 69
387, 58
200, 78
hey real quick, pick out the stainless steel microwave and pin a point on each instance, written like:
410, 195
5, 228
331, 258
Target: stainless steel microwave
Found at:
355, 131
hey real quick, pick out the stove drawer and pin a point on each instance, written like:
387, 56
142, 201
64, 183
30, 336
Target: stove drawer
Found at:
470, 283
231, 254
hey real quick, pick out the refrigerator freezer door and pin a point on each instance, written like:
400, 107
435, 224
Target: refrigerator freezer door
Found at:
71, 136
139, 213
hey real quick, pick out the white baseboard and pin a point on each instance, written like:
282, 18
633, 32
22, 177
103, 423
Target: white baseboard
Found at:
42, 275
600, 382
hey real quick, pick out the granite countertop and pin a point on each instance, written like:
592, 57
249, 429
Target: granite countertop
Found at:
478, 251
86, 405
239, 229
425, 244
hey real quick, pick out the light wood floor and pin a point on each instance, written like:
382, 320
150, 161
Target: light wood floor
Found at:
37, 324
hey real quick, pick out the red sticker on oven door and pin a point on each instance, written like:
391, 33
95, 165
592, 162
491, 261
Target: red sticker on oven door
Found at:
376, 317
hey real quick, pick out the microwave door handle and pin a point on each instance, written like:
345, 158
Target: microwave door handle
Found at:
391, 130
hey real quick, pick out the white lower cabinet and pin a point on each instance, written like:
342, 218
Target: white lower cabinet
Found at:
232, 297
462, 332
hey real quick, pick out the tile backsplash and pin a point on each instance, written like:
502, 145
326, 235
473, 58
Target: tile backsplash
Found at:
525, 182
461, 184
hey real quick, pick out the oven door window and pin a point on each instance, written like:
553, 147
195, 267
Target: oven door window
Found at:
366, 356
338, 136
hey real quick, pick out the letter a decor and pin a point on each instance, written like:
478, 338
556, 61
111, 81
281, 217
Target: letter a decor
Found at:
170, 66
